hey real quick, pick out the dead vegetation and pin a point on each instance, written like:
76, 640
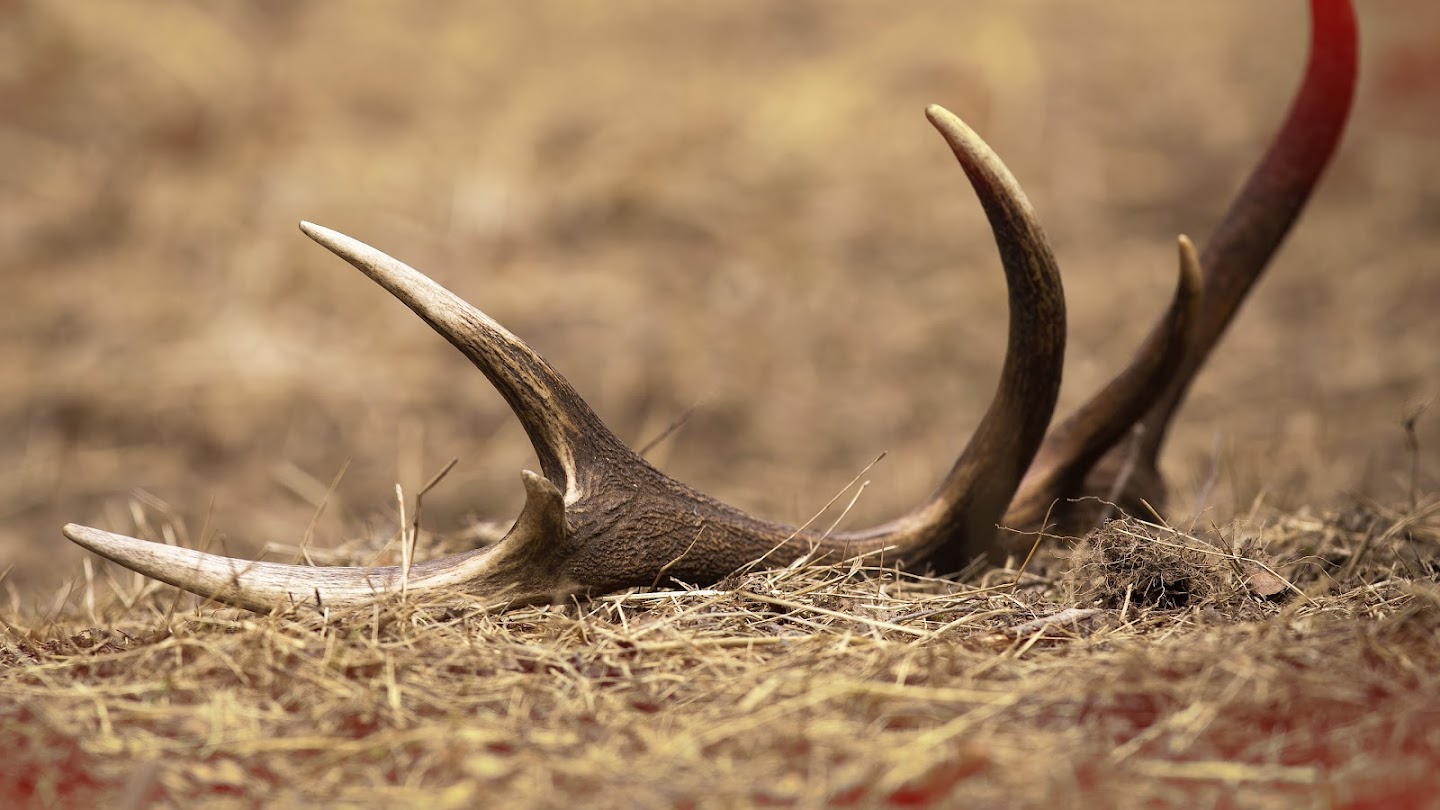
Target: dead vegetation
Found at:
1144, 670
623, 185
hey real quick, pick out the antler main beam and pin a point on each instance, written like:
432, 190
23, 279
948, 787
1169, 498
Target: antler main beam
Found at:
600, 518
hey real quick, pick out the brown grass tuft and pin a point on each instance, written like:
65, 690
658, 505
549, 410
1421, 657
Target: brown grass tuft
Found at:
836, 685
1125, 563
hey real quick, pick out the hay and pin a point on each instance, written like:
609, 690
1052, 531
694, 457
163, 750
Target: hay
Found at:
730, 216
838, 685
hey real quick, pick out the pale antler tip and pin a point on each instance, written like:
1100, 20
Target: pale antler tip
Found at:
955, 130
1191, 272
131, 552
332, 239
944, 120
543, 517
92, 539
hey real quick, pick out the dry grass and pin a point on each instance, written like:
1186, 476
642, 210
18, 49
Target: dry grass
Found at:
805, 687
733, 214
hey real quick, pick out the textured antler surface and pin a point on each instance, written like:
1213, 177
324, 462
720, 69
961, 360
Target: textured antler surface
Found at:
1125, 470
600, 518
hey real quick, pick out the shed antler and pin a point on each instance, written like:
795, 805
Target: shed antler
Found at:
600, 518
1110, 447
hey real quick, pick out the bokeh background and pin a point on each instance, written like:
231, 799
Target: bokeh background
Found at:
731, 215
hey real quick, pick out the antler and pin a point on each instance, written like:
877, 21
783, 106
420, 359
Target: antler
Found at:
1102, 450
601, 518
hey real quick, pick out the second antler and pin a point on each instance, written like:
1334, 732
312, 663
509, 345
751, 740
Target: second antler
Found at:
600, 518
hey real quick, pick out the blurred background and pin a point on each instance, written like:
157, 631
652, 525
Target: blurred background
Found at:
730, 215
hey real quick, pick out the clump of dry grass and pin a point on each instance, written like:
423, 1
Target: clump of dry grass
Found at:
1117, 566
834, 685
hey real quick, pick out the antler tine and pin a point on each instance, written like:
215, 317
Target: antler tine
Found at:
561, 426
1273, 196
622, 523
1072, 448
974, 495
1232, 260
508, 569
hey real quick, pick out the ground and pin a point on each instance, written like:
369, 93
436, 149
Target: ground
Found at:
733, 217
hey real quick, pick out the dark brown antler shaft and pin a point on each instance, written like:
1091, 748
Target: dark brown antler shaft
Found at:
601, 518
1272, 197
1073, 448
1234, 257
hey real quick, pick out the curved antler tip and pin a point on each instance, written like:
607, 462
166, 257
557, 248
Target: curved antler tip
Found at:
955, 130
117, 547
985, 169
145, 556
544, 503
1191, 271
374, 263
93, 539
402, 281
331, 239
943, 119
538, 486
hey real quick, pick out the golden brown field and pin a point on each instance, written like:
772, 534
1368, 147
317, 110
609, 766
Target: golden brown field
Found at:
731, 215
